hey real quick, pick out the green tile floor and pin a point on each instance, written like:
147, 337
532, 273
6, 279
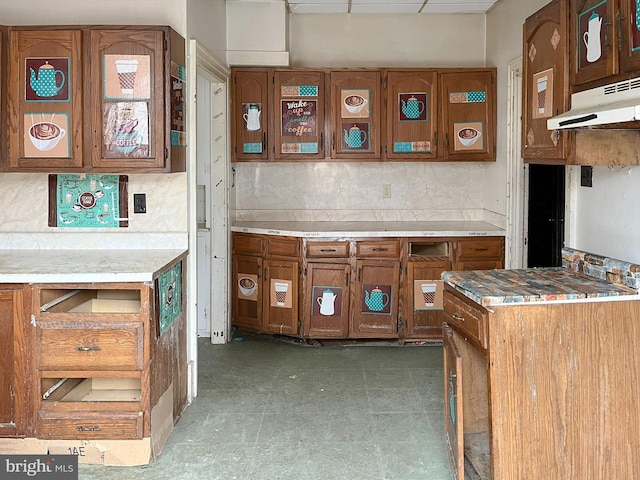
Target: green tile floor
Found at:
270, 409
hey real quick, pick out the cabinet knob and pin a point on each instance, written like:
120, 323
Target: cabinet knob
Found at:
88, 429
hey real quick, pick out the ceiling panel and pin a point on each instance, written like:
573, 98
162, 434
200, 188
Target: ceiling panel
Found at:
389, 6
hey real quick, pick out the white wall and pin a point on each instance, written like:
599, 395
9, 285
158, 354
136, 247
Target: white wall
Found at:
207, 23
352, 190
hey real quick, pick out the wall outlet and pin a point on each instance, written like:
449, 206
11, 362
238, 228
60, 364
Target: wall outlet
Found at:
139, 203
386, 191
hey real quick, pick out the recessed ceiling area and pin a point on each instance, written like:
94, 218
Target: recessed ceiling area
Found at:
389, 6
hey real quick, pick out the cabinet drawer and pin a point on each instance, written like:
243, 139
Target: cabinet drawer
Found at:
90, 348
465, 318
383, 248
283, 247
247, 244
327, 249
106, 425
479, 249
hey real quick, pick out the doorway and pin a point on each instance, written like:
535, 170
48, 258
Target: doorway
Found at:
545, 219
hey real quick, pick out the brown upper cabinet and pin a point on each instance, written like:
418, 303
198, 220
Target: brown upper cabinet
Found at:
299, 114
468, 115
91, 98
355, 114
366, 114
546, 83
606, 39
412, 116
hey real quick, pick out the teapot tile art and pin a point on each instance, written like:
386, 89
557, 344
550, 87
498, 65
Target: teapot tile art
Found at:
376, 299
47, 79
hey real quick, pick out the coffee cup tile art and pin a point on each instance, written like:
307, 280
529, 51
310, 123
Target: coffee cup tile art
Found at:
247, 286
45, 135
468, 136
354, 103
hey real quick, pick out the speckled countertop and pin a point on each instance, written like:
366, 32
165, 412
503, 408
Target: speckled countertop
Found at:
557, 284
371, 229
81, 266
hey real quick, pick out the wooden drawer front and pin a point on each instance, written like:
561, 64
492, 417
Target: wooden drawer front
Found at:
91, 349
385, 248
480, 249
327, 249
105, 425
247, 244
467, 319
283, 247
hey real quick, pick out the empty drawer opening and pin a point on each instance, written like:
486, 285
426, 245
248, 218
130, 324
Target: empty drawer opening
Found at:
91, 389
89, 301
429, 249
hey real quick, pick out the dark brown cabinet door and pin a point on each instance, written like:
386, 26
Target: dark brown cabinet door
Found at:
247, 292
594, 50
453, 426
44, 99
468, 115
126, 99
299, 115
280, 297
422, 320
250, 114
13, 376
411, 114
546, 83
355, 114
326, 307
374, 310
629, 35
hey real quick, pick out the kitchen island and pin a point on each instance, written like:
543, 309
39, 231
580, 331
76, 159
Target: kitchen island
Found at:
353, 279
542, 370
96, 348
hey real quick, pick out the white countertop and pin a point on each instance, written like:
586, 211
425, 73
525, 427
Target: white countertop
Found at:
81, 266
371, 229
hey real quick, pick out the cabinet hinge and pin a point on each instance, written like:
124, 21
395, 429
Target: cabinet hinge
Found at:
33, 320
166, 153
166, 44
399, 324
305, 271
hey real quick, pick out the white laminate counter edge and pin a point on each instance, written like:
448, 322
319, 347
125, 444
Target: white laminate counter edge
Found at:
84, 266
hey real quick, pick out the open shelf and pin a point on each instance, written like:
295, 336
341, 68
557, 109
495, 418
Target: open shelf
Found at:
89, 301
429, 249
91, 390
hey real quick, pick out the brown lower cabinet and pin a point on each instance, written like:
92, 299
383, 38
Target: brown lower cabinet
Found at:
349, 287
542, 390
93, 361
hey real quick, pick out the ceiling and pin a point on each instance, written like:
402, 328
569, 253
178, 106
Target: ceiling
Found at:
389, 6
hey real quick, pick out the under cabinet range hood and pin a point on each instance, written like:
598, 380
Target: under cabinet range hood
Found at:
609, 104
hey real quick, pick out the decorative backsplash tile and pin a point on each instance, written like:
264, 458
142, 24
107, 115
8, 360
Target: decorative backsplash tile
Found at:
91, 201
605, 268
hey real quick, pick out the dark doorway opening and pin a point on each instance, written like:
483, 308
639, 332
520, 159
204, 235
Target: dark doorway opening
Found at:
546, 215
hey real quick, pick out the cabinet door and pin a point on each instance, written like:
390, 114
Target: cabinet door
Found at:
326, 300
422, 320
250, 110
468, 115
125, 99
45, 119
594, 50
453, 403
411, 115
546, 83
247, 292
355, 114
629, 36
299, 115
281, 297
12, 377
374, 311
